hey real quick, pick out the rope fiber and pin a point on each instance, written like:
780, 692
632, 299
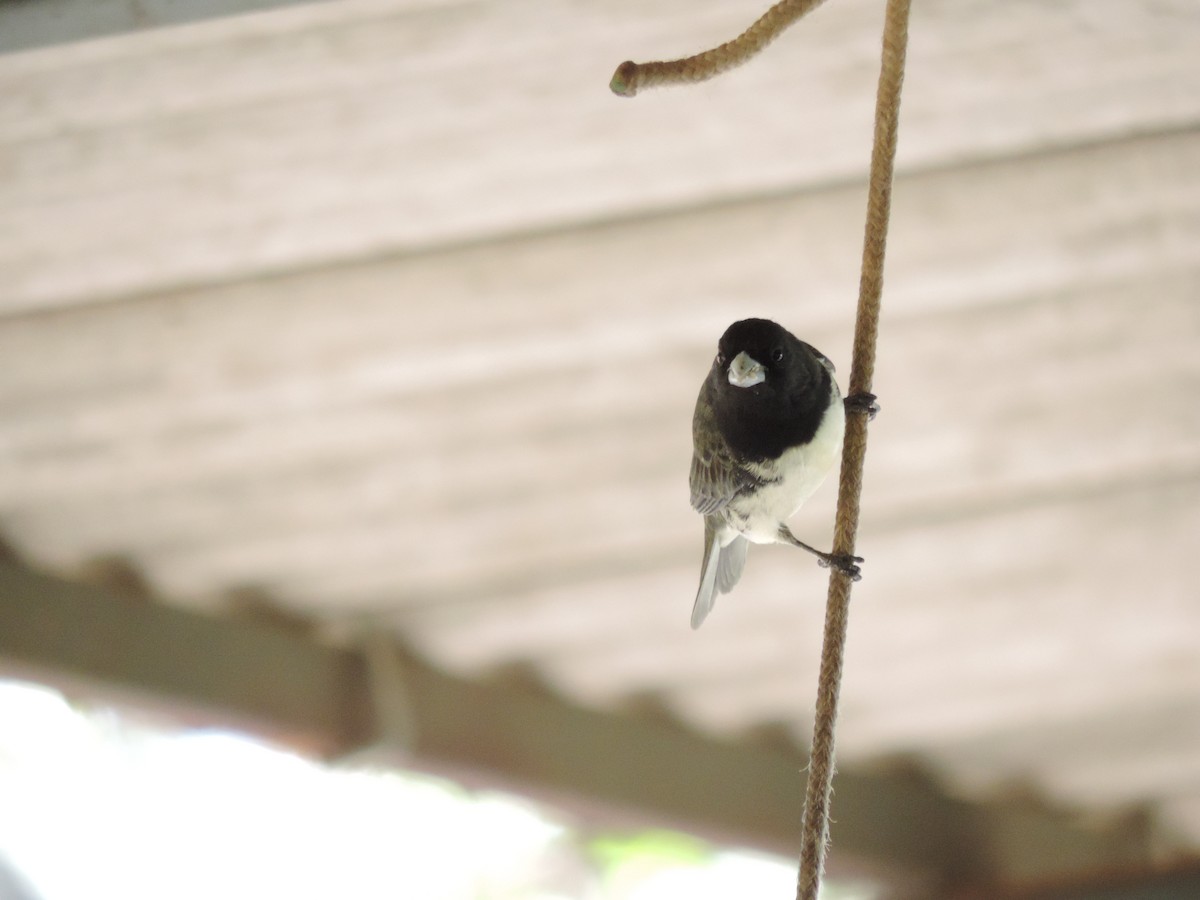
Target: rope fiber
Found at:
629, 78
815, 834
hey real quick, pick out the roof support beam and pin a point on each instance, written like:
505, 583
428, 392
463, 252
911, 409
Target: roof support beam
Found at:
289, 687
1180, 882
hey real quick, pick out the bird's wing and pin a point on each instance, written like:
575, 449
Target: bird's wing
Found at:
716, 476
706, 594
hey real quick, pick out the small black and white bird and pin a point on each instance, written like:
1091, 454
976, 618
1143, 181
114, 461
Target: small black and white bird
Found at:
768, 428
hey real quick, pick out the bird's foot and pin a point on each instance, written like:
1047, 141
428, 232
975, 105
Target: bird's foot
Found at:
863, 403
843, 562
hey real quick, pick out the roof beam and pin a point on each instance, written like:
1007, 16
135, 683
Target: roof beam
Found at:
285, 685
1178, 882
198, 669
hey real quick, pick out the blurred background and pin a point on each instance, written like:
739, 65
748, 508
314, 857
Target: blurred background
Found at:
347, 361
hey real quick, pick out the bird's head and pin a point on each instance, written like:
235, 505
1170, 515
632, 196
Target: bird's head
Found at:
759, 352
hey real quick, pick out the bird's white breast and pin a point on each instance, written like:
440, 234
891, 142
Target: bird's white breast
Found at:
800, 471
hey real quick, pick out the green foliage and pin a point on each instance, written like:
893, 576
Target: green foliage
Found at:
625, 858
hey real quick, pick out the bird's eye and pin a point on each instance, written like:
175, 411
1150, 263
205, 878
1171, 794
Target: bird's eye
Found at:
777, 355
720, 360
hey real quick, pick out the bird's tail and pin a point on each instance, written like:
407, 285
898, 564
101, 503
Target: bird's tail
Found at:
720, 571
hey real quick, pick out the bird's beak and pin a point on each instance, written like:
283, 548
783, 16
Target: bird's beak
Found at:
745, 371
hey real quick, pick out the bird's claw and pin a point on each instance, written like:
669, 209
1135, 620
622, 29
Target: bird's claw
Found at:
863, 403
844, 563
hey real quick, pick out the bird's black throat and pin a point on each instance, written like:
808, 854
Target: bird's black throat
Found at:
763, 421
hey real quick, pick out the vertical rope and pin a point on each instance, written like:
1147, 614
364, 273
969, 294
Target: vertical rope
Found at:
815, 831
627, 80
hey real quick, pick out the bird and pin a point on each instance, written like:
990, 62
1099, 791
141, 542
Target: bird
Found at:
767, 429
